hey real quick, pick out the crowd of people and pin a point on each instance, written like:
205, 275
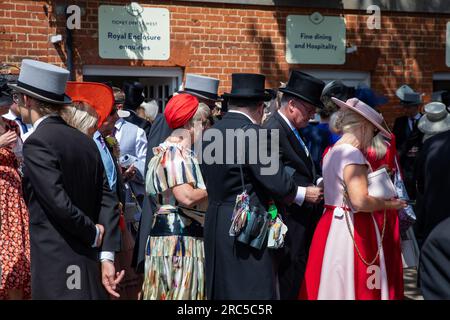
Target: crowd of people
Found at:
299, 192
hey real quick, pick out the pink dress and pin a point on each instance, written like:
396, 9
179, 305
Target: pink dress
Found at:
335, 270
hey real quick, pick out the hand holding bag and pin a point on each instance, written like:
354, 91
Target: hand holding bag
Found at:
406, 215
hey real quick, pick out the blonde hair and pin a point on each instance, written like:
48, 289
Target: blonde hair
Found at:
349, 121
202, 112
80, 115
344, 121
380, 146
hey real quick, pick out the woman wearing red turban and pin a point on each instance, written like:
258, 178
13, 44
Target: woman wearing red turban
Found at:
174, 263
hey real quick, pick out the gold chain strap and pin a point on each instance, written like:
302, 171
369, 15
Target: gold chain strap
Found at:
353, 238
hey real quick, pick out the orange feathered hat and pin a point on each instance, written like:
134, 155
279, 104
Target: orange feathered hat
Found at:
97, 95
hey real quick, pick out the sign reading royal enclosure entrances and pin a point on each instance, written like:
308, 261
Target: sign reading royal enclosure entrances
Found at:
315, 39
133, 32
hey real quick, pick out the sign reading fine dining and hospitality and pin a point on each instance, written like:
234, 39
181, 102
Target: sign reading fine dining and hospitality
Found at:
315, 39
133, 32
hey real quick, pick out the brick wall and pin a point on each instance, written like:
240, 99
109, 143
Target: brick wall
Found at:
218, 39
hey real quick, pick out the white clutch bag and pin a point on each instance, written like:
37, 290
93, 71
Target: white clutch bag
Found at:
380, 185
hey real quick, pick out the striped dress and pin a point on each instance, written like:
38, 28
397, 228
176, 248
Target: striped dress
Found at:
174, 263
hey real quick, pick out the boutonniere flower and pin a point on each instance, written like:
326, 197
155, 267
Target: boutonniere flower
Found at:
113, 144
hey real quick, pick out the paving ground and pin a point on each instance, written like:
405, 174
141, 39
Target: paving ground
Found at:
410, 281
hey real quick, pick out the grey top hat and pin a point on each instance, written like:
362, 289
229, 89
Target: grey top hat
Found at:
435, 120
201, 86
408, 96
43, 81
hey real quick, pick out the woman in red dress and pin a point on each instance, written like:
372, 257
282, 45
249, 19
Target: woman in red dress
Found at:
14, 233
350, 255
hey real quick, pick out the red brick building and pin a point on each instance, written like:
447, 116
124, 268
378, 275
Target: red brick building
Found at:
217, 38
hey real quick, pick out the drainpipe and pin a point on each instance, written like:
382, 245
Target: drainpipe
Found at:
68, 44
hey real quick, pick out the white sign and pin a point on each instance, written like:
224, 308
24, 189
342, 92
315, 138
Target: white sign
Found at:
133, 32
315, 39
447, 46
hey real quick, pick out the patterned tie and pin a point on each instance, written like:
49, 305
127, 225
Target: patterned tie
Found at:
299, 138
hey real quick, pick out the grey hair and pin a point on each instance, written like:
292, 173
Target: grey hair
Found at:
80, 115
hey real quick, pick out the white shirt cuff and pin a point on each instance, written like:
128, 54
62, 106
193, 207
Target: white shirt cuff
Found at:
300, 197
96, 237
319, 181
107, 255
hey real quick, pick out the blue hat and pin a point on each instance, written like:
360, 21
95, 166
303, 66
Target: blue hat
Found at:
369, 97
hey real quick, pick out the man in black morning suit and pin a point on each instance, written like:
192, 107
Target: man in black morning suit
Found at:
301, 97
66, 190
408, 136
235, 270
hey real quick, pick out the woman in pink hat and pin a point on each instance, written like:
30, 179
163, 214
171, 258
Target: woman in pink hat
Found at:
346, 259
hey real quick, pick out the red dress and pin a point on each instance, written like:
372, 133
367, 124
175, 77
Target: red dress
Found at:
392, 240
326, 246
14, 234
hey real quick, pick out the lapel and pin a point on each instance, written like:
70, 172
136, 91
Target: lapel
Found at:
295, 143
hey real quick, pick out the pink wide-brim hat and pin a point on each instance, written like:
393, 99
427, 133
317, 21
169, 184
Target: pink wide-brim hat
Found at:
364, 110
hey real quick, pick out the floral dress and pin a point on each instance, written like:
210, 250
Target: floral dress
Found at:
174, 263
14, 234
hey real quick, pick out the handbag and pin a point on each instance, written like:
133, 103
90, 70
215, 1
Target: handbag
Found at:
252, 226
406, 216
380, 185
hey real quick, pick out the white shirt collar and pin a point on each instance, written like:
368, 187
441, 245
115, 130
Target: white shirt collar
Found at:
243, 113
119, 123
38, 121
289, 123
10, 116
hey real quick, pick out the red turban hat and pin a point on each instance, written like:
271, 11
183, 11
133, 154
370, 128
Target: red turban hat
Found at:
99, 96
180, 109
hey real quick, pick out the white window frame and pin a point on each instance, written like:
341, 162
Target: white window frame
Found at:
126, 71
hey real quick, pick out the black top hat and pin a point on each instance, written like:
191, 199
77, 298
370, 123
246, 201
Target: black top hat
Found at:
248, 86
305, 87
337, 89
133, 95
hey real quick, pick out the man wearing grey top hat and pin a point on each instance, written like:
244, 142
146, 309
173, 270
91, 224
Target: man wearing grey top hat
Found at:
205, 89
72, 213
408, 136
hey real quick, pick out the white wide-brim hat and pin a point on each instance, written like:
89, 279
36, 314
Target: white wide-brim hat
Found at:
43, 81
365, 111
435, 120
